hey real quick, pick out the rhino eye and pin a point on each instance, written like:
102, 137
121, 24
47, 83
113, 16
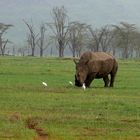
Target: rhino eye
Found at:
78, 74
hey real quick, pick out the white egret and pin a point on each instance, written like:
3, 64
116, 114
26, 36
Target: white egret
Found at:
45, 84
84, 87
70, 83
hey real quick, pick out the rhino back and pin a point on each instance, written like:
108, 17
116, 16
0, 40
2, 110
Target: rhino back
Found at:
101, 67
98, 62
90, 56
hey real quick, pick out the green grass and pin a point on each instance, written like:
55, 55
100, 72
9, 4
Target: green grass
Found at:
63, 111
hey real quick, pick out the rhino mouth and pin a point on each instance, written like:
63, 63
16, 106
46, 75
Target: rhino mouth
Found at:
77, 83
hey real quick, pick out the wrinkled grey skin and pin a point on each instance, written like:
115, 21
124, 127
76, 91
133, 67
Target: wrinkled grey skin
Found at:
95, 65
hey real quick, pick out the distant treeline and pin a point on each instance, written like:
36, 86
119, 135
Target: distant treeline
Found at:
61, 34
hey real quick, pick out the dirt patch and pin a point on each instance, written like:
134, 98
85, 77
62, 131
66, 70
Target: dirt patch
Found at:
55, 90
118, 130
32, 123
129, 121
40, 138
14, 116
95, 131
8, 137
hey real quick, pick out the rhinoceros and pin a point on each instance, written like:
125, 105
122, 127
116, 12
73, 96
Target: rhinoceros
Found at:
94, 65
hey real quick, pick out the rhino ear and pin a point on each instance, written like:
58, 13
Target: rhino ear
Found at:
75, 61
86, 62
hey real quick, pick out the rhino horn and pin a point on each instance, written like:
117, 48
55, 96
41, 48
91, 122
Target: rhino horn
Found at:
75, 61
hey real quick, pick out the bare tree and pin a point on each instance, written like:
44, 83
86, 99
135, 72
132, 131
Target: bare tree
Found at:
32, 37
42, 40
3, 43
126, 37
137, 50
21, 51
107, 38
137, 44
95, 39
13, 50
60, 28
77, 32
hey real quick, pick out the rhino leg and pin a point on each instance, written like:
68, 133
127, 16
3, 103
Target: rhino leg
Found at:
88, 80
106, 81
112, 80
113, 74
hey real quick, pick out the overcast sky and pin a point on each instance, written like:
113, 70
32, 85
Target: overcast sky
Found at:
94, 12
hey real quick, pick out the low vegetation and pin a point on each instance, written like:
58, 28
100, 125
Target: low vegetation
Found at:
60, 111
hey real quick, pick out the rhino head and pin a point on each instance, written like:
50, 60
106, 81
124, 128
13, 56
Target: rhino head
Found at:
81, 73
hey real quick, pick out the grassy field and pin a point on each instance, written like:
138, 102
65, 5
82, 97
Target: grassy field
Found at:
30, 111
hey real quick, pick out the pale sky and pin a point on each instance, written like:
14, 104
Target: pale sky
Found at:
94, 12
